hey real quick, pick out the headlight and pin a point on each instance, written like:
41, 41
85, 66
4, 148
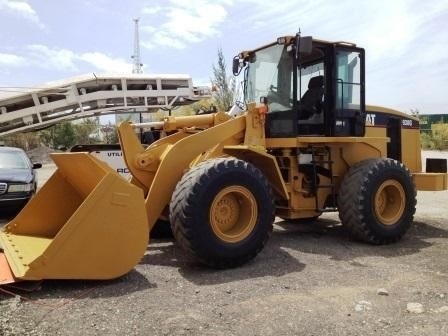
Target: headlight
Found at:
20, 187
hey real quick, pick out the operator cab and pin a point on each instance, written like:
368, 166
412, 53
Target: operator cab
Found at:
311, 87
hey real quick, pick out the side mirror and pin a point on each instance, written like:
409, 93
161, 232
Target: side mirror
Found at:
236, 66
306, 45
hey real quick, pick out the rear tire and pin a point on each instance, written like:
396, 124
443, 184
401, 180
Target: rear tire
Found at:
222, 212
377, 201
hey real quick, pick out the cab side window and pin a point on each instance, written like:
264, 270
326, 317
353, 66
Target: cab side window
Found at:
348, 89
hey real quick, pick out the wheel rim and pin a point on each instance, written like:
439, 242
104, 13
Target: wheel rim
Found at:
390, 202
233, 214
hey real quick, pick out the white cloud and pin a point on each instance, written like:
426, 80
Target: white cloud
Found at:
106, 63
44, 57
185, 22
389, 35
147, 45
195, 24
22, 8
11, 60
163, 38
51, 58
148, 29
151, 10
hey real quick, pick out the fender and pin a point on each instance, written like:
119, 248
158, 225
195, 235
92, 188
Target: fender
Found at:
263, 161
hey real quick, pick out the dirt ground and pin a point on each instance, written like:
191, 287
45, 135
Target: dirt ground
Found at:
309, 280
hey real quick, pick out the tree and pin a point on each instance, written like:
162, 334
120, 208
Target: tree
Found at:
415, 112
223, 97
27, 140
110, 133
434, 138
59, 135
86, 131
67, 134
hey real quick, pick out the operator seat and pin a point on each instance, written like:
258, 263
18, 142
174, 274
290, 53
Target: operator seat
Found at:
311, 102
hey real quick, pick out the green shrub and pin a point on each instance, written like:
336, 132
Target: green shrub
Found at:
440, 135
437, 139
426, 140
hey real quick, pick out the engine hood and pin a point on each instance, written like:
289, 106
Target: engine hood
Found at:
16, 175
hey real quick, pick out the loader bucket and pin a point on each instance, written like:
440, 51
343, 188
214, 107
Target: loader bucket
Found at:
86, 222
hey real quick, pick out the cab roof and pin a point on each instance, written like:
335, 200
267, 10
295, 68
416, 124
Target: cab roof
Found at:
289, 40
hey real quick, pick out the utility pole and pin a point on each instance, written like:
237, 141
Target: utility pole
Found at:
137, 68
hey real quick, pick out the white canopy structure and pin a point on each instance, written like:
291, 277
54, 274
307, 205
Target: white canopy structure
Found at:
93, 95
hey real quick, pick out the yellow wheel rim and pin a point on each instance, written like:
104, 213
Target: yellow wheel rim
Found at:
233, 214
389, 202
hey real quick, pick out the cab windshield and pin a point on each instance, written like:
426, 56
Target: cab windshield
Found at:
269, 75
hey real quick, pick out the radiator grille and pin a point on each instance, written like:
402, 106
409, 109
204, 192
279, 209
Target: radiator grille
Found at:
3, 187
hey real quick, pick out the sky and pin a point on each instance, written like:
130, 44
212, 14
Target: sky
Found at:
406, 41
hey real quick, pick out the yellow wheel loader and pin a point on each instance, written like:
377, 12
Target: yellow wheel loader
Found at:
305, 143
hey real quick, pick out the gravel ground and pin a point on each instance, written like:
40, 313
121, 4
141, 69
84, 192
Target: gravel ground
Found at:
309, 280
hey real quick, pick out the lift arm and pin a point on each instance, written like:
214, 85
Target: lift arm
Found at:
159, 167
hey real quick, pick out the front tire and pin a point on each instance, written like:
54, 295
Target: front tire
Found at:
377, 201
222, 212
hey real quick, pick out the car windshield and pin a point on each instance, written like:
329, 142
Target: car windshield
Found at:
13, 160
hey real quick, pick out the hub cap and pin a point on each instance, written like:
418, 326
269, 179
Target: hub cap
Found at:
233, 214
389, 202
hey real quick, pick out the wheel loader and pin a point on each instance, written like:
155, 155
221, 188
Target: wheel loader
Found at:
303, 144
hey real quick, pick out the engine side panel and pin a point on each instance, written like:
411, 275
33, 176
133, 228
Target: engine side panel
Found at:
403, 131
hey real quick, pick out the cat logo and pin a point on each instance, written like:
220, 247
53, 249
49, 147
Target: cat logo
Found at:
370, 119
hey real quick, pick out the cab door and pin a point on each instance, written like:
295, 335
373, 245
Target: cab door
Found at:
349, 74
